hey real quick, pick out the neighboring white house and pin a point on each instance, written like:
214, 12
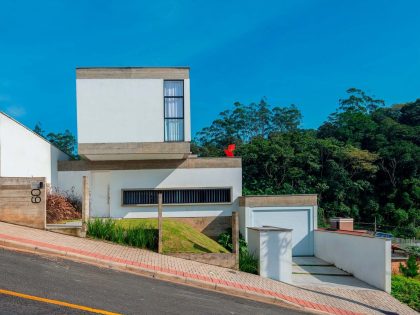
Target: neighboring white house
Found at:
23, 153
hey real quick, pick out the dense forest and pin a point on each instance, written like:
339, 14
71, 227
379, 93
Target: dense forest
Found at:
363, 162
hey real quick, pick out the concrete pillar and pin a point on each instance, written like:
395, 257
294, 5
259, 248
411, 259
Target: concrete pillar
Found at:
235, 237
160, 241
85, 205
273, 247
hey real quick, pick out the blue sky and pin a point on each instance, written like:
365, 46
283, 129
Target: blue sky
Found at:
302, 52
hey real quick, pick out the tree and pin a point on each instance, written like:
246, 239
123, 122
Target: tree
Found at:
65, 141
362, 162
412, 268
38, 129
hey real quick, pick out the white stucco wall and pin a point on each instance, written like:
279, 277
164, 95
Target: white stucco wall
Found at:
274, 251
151, 179
301, 219
72, 181
367, 258
124, 110
24, 154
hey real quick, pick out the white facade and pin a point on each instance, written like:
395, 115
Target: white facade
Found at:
273, 248
23, 153
367, 258
301, 219
124, 110
106, 190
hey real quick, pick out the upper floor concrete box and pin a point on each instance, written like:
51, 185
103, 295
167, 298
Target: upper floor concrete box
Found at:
133, 113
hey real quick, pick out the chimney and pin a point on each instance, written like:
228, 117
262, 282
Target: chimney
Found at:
345, 224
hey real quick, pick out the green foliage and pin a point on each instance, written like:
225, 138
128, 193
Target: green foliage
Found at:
247, 261
407, 291
414, 250
362, 162
65, 141
412, 268
142, 236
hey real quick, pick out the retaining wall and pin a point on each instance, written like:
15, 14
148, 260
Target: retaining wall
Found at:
23, 201
367, 258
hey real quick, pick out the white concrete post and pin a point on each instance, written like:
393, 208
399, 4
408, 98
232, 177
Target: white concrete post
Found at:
85, 205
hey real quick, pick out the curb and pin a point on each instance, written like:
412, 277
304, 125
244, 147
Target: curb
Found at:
194, 280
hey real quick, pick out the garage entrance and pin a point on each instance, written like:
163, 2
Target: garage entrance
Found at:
296, 212
296, 219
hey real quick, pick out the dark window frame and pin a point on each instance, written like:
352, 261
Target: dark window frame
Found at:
227, 191
177, 118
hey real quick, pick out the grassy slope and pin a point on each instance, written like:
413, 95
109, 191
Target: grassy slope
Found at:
179, 237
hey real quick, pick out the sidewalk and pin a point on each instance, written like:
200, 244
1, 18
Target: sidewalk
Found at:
329, 300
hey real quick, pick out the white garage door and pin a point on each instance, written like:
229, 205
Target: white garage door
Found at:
297, 219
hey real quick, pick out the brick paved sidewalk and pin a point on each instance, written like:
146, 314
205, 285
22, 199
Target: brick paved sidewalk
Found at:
330, 300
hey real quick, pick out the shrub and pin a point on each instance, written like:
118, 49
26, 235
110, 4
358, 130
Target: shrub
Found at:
247, 261
406, 291
413, 250
412, 268
60, 208
141, 236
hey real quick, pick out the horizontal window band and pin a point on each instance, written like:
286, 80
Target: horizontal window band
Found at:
177, 196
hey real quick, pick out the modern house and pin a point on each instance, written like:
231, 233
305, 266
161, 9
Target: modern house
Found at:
134, 133
23, 153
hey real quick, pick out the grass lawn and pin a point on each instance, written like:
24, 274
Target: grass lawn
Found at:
178, 237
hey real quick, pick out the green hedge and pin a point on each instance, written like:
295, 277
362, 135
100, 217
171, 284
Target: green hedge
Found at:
407, 291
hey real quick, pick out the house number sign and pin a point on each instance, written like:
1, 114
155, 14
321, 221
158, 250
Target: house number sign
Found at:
36, 195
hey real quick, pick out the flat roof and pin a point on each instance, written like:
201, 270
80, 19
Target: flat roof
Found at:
174, 73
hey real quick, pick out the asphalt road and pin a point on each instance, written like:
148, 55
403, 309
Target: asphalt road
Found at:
110, 290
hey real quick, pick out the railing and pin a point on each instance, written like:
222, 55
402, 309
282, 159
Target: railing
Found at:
406, 242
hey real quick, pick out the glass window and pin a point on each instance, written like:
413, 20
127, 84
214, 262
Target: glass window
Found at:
174, 88
177, 196
174, 110
174, 129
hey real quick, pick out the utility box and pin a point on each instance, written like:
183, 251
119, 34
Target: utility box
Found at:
273, 247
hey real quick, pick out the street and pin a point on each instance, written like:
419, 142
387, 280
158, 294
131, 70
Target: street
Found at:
31, 284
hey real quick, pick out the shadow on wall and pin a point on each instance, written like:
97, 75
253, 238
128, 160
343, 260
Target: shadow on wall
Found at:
276, 254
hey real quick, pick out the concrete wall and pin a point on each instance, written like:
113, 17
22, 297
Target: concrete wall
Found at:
296, 212
124, 110
21, 202
367, 258
108, 185
25, 154
273, 247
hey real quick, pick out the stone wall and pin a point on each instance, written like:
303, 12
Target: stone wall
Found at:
23, 201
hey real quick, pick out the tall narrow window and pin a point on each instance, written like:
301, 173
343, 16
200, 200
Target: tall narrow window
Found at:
174, 110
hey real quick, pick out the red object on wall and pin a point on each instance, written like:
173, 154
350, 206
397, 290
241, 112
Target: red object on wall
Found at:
229, 150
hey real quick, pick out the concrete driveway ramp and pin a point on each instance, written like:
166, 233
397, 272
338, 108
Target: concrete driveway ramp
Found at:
314, 272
